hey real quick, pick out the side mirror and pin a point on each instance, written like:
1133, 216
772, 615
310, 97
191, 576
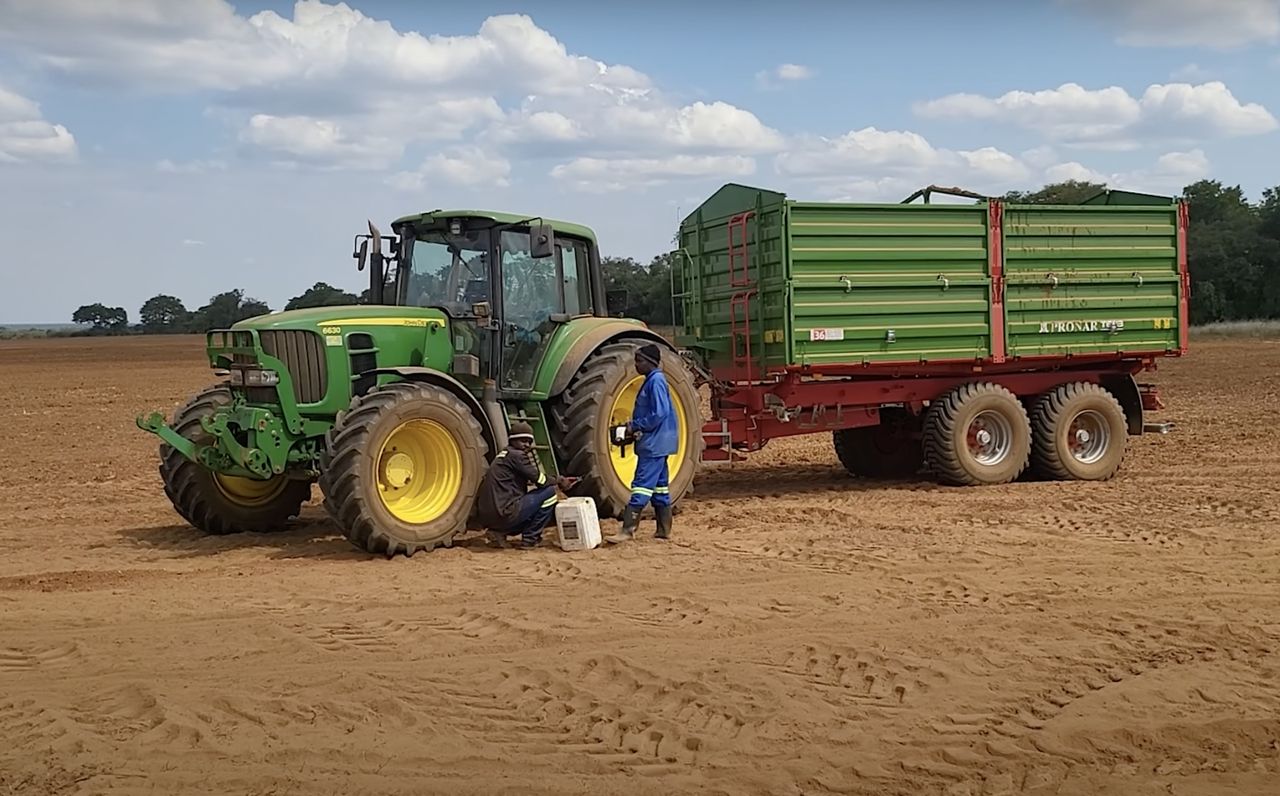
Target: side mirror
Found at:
616, 303
361, 254
541, 241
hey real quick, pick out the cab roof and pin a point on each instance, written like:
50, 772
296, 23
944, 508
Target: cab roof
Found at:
435, 216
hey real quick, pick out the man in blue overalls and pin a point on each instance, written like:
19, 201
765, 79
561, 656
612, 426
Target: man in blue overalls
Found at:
657, 434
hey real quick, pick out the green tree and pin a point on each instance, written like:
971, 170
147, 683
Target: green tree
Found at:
101, 318
163, 314
1068, 192
226, 309
1230, 259
321, 294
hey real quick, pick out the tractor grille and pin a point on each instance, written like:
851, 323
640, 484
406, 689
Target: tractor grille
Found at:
302, 352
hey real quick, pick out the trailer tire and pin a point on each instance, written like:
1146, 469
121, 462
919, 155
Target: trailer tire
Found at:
1079, 433
977, 434
581, 416
221, 504
375, 450
891, 450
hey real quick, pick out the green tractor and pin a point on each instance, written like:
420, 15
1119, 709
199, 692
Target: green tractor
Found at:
476, 320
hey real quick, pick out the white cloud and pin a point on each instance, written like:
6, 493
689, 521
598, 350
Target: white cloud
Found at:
858, 149
1040, 157
192, 242
990, 163
794, 72
783, 73
1171, 172
304, 139
1072, 170
1220, 24
25, 135
1068, 112
330, 86
604, 174
884, 164
465, 165
1209, 108
1110, 117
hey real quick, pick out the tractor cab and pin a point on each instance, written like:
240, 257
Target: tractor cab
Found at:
506, 283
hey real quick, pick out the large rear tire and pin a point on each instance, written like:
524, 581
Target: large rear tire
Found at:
976, 434
601, 395
221, 504
403, 466
1080, 433
892, 449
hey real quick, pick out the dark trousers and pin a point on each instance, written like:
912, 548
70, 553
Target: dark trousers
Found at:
536, 511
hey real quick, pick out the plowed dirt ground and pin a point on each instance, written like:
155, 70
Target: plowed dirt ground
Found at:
806, 633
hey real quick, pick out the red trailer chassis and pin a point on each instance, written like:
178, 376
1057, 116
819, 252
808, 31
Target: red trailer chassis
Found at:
806, 400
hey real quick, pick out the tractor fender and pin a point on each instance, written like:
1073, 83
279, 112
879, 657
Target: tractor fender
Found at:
589, 342
1125, 388
447, 382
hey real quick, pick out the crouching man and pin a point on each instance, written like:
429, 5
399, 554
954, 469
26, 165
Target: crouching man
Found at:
507, 506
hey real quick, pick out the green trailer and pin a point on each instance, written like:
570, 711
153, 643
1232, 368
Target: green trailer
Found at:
974, 337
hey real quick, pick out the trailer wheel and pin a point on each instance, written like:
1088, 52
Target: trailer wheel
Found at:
402, 469
976, 434
891, 449
1079, 433
602, 394
220, 504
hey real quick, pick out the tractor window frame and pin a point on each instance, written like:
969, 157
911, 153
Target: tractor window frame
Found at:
583, 294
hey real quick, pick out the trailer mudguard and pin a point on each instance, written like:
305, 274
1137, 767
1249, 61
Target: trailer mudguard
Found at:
1125, 389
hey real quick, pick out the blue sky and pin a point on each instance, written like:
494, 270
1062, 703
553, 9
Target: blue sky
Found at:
190, 147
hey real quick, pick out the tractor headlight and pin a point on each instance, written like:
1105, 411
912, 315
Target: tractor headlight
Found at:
254, 378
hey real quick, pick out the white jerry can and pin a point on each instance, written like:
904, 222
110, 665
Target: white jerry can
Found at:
578, 523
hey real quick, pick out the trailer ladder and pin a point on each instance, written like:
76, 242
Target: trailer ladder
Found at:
740, 299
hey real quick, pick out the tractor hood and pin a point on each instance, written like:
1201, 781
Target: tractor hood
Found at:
348, 316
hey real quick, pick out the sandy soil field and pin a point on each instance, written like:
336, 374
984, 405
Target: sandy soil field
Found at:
807, 633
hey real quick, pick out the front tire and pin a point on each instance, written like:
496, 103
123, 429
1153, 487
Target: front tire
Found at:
404, 464
601, 395
977, 434
1079, 433
222, 504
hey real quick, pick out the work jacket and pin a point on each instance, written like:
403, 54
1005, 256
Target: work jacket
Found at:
507, 481
655, 418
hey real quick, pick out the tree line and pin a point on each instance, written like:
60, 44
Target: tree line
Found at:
165, 314
1234, 260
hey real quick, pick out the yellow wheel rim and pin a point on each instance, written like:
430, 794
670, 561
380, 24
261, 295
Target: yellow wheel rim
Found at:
249, 491
419, 471
620, 413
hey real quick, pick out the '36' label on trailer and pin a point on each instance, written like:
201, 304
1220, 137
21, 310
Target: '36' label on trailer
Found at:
826, 334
